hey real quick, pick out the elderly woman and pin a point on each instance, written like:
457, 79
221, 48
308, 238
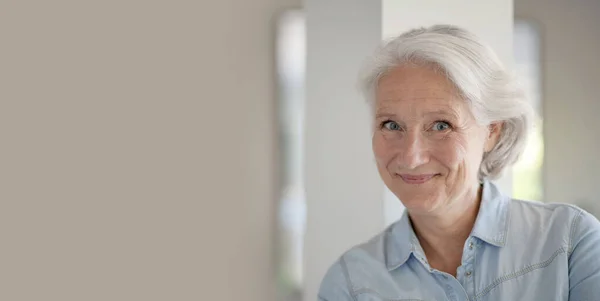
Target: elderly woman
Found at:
448, 118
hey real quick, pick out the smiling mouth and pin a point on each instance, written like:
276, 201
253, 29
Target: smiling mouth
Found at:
417, 179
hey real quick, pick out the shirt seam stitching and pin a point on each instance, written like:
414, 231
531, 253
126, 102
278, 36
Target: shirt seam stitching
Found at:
538, 204
574, 227
347, 276
371, 291
507, 221
521, 272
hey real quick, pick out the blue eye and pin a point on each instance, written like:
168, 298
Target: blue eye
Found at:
390, 125
441, 126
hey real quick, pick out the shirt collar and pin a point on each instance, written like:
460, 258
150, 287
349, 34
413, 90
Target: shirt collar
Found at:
400, 242
492, 220
491, 226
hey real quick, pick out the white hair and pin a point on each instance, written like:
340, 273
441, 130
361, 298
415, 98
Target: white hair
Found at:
493, 94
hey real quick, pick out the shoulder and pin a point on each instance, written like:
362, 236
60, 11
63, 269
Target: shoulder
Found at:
336, 285
544, 214
560, 221
545, 209
585, 230
583, 252
359, 263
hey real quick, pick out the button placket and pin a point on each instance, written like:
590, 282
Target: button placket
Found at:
468, 267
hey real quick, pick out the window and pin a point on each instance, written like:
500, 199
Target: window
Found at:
528, 171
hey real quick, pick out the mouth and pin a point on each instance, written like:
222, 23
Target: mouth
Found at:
417, 179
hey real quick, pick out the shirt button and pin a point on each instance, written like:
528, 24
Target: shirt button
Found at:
471, 246
468, 273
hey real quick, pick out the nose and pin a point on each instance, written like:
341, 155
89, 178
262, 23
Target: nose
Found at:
413, 151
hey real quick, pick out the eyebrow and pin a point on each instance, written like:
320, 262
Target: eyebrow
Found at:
449, 113
384, 115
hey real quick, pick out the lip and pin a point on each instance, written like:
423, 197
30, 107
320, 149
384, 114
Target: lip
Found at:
416, 179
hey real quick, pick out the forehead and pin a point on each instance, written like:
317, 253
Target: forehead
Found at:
420, 87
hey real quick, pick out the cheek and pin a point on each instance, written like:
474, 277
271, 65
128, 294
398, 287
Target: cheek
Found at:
451, 152
461, 155
381, 148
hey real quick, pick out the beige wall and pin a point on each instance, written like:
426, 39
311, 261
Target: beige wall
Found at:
571, 89
137, 150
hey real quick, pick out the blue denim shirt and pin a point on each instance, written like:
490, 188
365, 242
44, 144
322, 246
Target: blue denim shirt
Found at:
517, 250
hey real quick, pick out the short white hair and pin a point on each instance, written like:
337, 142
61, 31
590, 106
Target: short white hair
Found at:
493, 93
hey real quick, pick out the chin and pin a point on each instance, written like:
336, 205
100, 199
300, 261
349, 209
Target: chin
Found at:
425, 205
424, 201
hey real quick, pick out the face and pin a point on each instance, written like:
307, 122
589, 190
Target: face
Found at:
426, 142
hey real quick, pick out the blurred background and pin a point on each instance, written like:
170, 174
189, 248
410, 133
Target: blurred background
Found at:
221, 150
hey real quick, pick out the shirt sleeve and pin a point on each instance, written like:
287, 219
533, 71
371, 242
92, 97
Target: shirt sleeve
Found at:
335, 285
584, 259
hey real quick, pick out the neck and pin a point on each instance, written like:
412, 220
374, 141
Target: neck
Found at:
442, 235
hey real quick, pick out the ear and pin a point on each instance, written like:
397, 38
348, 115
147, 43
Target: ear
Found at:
494, 131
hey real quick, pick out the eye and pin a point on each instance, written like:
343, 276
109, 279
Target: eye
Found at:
391, 125
441, 126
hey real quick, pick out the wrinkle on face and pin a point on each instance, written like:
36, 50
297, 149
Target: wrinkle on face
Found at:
417, 98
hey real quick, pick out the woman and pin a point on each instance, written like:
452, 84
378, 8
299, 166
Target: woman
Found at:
448, 119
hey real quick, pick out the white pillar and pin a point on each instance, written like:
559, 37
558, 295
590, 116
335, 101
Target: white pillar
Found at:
343, 189
492, 20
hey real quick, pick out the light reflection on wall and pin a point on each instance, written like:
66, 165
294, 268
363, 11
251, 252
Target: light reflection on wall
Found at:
291, 61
